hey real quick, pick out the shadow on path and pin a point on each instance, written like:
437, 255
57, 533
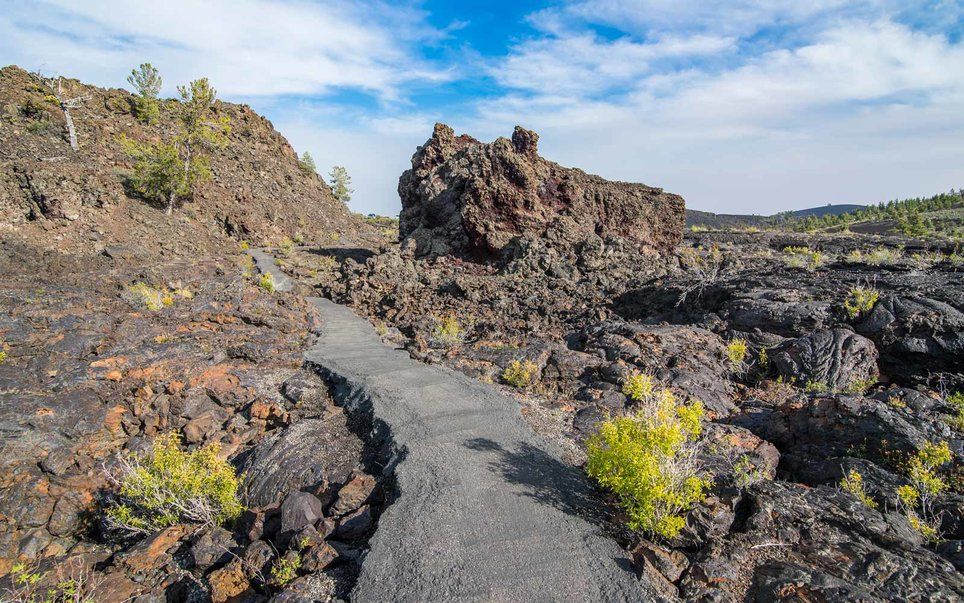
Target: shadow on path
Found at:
547, 480
359, 254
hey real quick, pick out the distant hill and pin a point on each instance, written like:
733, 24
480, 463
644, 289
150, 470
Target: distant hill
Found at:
831, 210
711, 220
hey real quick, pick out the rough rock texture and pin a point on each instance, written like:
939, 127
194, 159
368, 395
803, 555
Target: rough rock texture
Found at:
836, 359
465, 197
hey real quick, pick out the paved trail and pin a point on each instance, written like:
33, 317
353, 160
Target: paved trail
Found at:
485, 510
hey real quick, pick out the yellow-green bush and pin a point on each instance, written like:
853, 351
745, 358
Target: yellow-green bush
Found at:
916, 499
142, 295
853, 482
448, 330
167, 485
736, 352
521, 373
860, 300
285, 569
3, 353
802, 257
28, 586
267, 283
648, 460
956, 421
880, 256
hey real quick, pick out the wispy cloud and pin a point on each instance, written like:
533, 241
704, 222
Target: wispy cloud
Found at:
248, 47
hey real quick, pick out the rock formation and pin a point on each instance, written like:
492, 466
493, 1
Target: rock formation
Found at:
474, 199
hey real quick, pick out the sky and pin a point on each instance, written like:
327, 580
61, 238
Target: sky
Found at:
741, 106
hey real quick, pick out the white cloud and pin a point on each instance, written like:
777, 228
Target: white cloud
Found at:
246, 47
863, 112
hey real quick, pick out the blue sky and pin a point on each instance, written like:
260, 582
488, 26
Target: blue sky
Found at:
741, 106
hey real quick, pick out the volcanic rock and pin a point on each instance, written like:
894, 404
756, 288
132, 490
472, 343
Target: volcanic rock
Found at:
474, 199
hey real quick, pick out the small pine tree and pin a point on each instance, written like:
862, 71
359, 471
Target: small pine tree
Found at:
340, 183
168, 171
307, 163
147, 85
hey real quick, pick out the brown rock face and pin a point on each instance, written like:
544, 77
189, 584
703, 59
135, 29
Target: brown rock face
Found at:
470, 198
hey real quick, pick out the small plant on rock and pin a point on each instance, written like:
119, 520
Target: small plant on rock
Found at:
649, 460
802, 257
736, 351
143, 296
916, 499
285, 569
70, 587
860, 300
703, 267
267, 283
167, 486
521, 373
448, 330
853, 483
956, 421
3, 353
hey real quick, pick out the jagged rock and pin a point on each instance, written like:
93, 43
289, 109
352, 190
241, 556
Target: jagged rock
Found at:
215, 547
833, 359
353, 494
299, 457
468, 198
919, 338
299, 509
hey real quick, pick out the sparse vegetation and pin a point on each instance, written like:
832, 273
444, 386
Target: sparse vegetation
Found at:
926, 259
956, 420
703, 266
448, 330
521, 373
649, 460
853, 483
860, 300
285, 569
880, 256
147, 85
69, 587
916, 499
802, 257
267, 283
142, 296
166, 486
736, 352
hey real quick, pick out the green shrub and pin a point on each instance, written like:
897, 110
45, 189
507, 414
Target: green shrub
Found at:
143, 296
736, 351
448, 330
3, 353
639, 386
521, 373
802, 257
167, 486
916, 499
880, 256
860, 300
853, 483
285, 569
649, 460
28, 587
956, 421
926, 259
267, 283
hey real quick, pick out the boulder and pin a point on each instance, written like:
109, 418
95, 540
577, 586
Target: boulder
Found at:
834, 359
473, 199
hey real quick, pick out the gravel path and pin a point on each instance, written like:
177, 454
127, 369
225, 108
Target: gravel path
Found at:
485, 510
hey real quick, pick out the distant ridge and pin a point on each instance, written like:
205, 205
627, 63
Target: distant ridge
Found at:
712, 220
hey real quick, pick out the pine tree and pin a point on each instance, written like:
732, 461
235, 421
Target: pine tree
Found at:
147, 85
340, 183
168, 171
307, 163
